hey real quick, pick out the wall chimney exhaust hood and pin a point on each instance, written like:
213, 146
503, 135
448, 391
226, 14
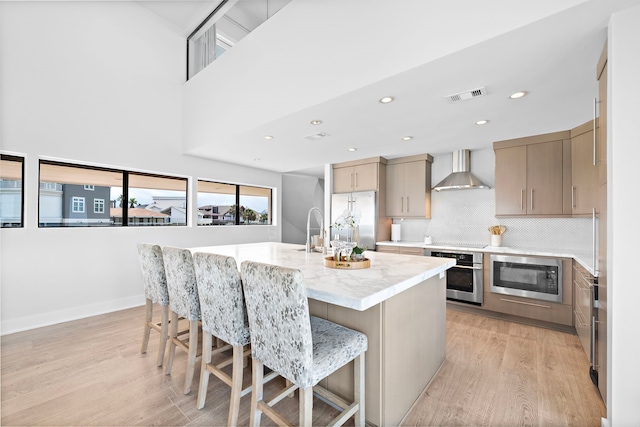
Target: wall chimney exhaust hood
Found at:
460, 178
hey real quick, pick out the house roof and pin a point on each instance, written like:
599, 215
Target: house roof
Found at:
137, 213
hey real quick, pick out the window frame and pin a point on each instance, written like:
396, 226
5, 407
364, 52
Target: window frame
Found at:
22, 160
100, 203
238, 195
126, 174
78, 201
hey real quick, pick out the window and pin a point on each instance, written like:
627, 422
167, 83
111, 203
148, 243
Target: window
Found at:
218, 204
223, 28
120, 198
11, 191
98, 205
77, 204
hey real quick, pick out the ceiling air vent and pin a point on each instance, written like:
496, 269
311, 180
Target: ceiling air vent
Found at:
470, 94
317, 136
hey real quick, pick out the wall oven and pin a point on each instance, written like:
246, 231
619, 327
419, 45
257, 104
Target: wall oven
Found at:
464, 280
539, 278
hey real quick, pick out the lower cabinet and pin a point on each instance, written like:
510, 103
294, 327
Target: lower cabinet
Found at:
560, 313
406, 250
583, 312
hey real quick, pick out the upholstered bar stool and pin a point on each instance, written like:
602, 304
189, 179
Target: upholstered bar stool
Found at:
224, 316
155, 292
303, 349
183, 302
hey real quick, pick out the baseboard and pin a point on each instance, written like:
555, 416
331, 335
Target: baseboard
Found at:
11, 326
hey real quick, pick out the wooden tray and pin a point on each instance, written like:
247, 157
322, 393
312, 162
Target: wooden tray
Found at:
347, 265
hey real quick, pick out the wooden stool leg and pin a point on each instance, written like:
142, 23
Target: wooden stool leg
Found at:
193, 351
256, 392
147, 329
172, 344
306, 405
236, 385
164, 334
358, 389
207, 341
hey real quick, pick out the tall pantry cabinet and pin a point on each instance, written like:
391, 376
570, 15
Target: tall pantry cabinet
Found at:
601, 207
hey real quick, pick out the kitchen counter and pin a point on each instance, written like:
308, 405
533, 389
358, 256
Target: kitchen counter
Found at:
399, 303
584, 259
356, 289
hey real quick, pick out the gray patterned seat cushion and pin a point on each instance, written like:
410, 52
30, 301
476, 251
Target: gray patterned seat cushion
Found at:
153, 275
181, 282
301, 348
222, 305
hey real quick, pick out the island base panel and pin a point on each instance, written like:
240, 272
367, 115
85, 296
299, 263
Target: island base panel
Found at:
407, 342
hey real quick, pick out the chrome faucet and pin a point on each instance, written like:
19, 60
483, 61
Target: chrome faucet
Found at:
318, 215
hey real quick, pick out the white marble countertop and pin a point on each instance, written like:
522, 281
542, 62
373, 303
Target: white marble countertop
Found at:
360, 289
584, 259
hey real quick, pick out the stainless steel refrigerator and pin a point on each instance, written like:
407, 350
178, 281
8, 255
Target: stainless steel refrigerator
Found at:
365, 202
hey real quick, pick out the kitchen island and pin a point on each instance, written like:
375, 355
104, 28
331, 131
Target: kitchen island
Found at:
399, 303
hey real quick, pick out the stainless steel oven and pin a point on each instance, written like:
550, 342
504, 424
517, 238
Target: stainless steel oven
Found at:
539, 278
464, 280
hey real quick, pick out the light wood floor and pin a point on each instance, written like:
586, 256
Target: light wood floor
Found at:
91, 372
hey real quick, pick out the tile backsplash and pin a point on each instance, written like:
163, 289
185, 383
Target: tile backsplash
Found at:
463, 216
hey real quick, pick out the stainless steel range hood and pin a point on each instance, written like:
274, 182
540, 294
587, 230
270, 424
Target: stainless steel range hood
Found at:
460, 178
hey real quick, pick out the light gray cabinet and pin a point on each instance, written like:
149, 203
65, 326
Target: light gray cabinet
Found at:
409, 187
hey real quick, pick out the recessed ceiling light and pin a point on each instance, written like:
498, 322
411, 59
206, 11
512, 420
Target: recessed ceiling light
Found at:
407, 138
257, 159
316, 122
268, 137
482, 122
353, 149
386, 99
518, 94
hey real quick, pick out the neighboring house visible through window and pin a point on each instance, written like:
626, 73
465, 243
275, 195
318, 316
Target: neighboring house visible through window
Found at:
11, 191
230, 204
66, 188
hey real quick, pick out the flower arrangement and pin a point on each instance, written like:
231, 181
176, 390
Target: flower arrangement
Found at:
348, 219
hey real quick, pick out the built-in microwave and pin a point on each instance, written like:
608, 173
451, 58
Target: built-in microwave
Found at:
529, 277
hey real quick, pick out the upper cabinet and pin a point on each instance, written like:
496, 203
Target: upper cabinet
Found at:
584, 169
409, 187
361, 175
531, 175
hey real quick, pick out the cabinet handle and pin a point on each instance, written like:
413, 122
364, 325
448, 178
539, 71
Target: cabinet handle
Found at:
595, 107
580, 319
594, 244
356, 181
522, 199
407, 203
401, 204
573, 196
531, 200
525, 303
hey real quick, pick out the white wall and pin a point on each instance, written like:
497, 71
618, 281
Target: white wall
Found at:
97, 83
624, 230
299, 194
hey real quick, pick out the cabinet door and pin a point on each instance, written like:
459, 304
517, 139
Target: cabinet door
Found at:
511, 180
415, 188
544, 178
365, 177
343, 180
584, 174
395, 190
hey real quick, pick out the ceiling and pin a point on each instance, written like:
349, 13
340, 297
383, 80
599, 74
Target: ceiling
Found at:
553, 59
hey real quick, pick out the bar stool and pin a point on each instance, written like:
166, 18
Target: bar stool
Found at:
224, 316
303, 349
183, 302
155, 292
